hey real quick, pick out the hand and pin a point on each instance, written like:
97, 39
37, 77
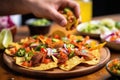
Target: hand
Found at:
49, 9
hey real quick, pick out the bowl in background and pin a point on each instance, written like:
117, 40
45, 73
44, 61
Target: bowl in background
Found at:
113, 67
39, 26
111, 43
83, 29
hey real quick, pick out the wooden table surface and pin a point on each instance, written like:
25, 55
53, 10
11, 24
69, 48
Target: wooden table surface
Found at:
23, 31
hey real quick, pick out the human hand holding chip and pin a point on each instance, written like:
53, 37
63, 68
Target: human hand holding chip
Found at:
72, 21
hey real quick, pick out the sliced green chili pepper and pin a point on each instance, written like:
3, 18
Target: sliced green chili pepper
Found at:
87, 45
20, 52
35, 36
65, 39
70, 46
28, 56
40, 46
78, 41
55, 40
66, 10
71, 54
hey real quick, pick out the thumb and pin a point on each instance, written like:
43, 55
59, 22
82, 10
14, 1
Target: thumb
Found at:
57, 17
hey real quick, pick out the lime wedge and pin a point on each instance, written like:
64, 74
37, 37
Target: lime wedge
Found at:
1, 39
5, 38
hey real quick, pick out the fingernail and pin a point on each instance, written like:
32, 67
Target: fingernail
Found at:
63, 23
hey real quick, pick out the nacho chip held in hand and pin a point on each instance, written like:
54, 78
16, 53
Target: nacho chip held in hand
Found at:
72, 21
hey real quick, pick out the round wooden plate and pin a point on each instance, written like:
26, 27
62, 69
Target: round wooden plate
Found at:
57, 73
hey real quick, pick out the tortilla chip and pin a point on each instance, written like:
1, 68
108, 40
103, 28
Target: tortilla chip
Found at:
71, 63
42, 66
54, 59
13, 45
48, 66
8, 52
72, 25
72, 21
96, 58
19, 60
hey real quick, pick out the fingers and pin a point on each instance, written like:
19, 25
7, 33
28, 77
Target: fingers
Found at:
57, 17
75, 6
60, 19
49, 10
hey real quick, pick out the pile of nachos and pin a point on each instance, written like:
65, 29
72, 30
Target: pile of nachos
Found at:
48, 52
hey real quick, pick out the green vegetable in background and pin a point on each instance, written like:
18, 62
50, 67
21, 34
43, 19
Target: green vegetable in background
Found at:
117, 25
90, 27
40, 22
109, 23
100, 26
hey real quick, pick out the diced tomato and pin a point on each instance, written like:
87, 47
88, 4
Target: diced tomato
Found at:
63, 55
25, 63
73, 41
62, 58
25, 45
43, 50
69, 50
13, 50
68, 36
27, 49
44, 57
113, 38
48, 40
46, 61
56, 36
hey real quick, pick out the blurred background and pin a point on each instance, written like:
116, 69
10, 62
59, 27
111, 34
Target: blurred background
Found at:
99, 8
105, 7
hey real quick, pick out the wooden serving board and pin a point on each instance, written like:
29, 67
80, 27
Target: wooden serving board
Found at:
57, 73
